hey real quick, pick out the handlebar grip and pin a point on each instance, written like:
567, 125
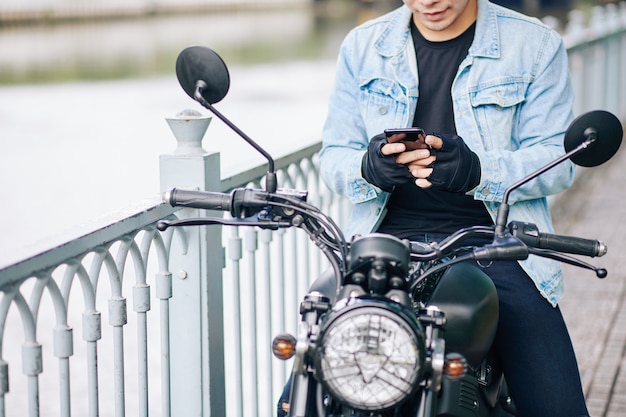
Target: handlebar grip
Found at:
530, 235
199, 199
574, 245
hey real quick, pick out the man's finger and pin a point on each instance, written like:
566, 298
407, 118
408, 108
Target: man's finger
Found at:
421, 172
434, 142
392, 148
422, 183
420, 163
412, 156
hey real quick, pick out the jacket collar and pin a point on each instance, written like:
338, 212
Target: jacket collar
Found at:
487, 38
392, 41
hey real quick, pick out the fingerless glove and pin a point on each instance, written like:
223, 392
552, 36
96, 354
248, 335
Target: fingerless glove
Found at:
456, 168
382, 170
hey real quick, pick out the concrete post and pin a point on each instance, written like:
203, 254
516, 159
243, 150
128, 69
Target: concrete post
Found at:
196, 309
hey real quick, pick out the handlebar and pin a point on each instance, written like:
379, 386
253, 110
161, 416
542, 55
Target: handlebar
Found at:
530, 235
522, 237
274, 210
523, 240
267, 210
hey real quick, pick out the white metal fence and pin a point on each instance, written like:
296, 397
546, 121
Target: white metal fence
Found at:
221, 294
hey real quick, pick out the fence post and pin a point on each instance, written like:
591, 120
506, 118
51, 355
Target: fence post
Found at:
621, 89
196, 309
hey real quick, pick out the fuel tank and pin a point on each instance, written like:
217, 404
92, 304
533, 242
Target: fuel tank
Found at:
469, 300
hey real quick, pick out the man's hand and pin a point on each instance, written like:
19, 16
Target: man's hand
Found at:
449, 165
419, 161
379, 166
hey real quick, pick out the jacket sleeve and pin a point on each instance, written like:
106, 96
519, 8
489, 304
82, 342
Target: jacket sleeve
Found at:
536, 135
344, 136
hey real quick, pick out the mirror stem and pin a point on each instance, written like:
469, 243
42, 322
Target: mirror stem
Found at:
270, 180
503, 209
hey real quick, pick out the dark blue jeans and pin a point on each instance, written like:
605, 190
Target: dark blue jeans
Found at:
533, 346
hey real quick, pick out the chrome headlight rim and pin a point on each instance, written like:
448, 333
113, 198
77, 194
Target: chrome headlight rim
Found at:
403, 317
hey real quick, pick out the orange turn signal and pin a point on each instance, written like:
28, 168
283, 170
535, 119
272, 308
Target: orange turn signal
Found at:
284, 346
455, 366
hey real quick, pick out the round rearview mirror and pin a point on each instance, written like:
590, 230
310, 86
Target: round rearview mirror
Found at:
604, 128
199, 63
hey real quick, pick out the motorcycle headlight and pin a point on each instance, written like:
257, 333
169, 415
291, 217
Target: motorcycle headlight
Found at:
370, 355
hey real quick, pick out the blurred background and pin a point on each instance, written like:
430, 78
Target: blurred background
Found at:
68, 40
85, 86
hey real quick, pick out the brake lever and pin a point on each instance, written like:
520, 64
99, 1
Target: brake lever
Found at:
557, 256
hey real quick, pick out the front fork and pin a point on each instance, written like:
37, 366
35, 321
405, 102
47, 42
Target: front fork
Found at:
433, 321
302, 396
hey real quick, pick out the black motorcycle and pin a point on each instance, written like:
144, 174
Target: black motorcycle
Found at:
394, 327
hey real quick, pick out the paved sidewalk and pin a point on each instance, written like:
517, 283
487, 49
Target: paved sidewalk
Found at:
595, 309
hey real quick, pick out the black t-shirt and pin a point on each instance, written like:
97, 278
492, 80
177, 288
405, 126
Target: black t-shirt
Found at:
413, 210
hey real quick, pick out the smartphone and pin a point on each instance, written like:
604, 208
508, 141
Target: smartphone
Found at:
413, 134
414, 139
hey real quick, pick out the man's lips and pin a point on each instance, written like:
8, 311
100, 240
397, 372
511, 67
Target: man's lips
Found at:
434, 16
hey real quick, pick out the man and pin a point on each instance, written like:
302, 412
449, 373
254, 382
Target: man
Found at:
491, 89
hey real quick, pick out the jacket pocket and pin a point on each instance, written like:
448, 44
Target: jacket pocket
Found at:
495, 108
384, 104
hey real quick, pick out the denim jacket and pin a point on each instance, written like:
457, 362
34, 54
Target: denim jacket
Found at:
512, 102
